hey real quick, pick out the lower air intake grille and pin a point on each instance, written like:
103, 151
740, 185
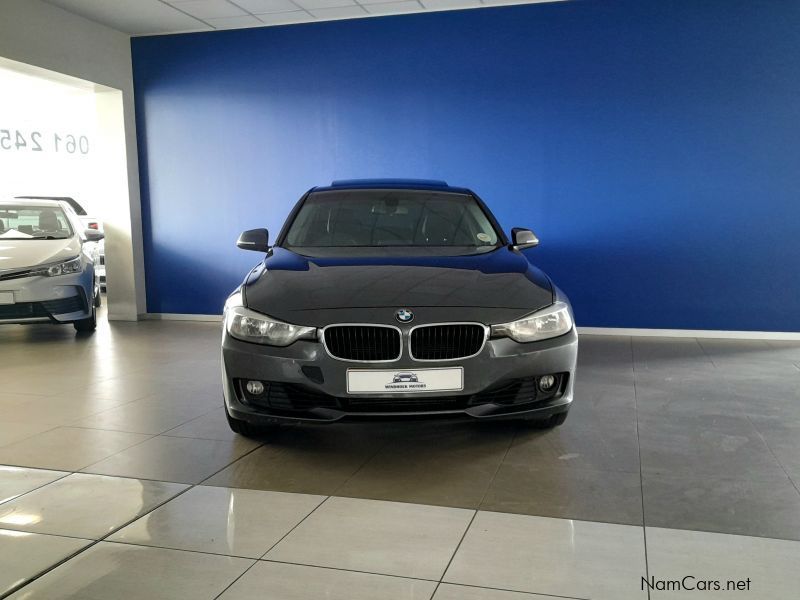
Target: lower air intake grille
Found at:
35, 310
363, 342
283, 398
287, 396
447, 342
64, 305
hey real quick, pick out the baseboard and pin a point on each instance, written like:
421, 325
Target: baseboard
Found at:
181, 317
692, 333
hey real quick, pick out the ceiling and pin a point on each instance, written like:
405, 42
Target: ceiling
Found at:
148, 17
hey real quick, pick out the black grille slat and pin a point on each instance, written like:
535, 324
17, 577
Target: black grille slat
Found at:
36, 310
446, 342
363, 342
64, 305
23, 310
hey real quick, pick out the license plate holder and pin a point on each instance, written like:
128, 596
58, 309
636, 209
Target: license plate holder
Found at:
405, 381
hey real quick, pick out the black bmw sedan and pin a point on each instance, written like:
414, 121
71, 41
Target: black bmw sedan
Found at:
393, 298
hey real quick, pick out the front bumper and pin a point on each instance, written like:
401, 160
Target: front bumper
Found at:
306, 365
61, 299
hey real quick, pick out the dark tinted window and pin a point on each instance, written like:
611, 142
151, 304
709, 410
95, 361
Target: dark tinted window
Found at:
377, 218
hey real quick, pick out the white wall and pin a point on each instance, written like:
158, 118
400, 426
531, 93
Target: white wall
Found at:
37, 118
42, 35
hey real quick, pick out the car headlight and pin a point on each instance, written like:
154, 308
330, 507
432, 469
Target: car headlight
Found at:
550, 322
65, 268
249, 326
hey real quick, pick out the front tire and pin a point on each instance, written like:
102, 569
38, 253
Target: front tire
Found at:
87, 325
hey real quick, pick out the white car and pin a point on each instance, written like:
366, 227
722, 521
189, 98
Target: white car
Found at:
47, 261
89, 222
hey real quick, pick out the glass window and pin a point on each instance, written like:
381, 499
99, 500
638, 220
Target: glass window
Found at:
390, 218
33, 222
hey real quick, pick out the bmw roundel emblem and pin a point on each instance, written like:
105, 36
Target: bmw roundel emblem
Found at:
404, 315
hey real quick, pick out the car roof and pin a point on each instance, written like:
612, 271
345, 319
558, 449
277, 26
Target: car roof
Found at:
68, 199
398, 184
23, 201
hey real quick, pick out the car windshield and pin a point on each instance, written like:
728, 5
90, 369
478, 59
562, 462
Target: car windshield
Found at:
22, 222
391, 218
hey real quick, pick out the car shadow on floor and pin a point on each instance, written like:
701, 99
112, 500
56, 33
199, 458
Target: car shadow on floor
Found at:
508, 466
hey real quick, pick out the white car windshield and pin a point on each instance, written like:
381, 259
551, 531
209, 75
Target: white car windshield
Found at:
24, 222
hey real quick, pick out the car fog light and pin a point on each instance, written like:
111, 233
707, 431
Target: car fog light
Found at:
547, 383
256, 388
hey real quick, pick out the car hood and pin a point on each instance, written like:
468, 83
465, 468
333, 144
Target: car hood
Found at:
19, 254
287, 283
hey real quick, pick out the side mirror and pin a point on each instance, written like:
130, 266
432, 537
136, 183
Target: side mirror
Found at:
92, 235
523, 238
254, 239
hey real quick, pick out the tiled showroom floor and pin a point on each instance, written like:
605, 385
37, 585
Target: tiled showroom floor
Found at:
680, 457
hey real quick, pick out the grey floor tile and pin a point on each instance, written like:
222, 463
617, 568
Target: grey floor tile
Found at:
559, 557
24, 555
87, 506
15, 481
389, 538
715, 446
14, 431
663, 354
568, 493
747, 351
309, 460
296, 582
450, 591
599, 443
786, 349
67, 448
606, 351
602, 392
53, 410
741, 506
718, 392
243, 523
165, 458
28, 379
149, 415
450, 465
686, 391
767, 396
782, 436
109, 570
166, 380
210, 426
770, 565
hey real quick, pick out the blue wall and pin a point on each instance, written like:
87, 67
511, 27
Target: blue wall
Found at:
653, 146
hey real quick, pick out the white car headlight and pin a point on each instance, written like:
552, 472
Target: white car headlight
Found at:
250, 326
550, 322
66, 268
